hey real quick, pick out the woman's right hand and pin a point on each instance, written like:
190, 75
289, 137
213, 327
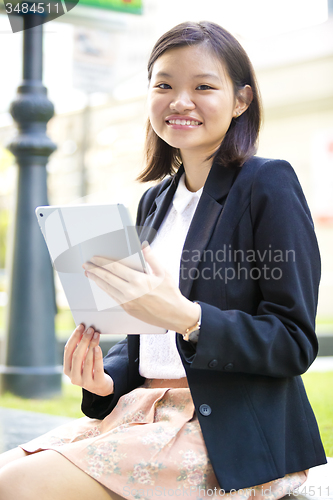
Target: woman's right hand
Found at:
83, 362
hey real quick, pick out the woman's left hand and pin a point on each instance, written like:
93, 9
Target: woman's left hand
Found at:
153, 298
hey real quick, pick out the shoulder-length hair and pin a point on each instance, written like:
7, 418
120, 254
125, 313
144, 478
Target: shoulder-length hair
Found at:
240, 140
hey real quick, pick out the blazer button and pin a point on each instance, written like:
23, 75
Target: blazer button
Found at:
205, 410
213, 363
229, 367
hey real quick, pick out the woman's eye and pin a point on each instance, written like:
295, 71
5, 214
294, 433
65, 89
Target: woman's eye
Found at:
204, 87
163, 86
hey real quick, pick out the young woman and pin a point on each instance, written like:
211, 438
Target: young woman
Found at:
216, 406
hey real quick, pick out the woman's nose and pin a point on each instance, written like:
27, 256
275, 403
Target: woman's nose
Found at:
182, 102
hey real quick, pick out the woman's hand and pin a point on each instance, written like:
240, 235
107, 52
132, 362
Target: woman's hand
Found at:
154, 298
83, 362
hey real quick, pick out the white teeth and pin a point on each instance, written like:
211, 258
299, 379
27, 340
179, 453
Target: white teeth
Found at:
183, 122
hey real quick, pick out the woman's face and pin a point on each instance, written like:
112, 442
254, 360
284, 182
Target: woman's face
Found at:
191, 101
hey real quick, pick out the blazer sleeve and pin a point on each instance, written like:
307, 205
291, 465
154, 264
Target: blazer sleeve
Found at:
279, 339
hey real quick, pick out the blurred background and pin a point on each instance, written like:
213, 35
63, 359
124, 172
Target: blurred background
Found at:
95, 72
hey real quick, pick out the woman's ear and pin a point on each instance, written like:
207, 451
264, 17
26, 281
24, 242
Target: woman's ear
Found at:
243, 100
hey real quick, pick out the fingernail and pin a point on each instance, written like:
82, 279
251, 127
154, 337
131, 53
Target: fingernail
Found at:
89, 331
95, 335
145, 244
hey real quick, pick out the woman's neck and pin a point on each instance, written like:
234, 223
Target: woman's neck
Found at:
196, 171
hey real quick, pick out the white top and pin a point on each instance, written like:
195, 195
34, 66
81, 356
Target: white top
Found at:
159, 357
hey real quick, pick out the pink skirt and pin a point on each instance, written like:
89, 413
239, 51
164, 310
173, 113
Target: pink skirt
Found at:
151, 446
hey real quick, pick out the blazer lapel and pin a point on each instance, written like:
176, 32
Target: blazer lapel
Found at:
210, 206
159, 209
215, 191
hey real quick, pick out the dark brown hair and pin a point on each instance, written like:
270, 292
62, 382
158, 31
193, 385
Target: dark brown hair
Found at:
240, 140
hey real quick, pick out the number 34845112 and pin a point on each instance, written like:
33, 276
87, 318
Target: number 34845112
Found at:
32, 8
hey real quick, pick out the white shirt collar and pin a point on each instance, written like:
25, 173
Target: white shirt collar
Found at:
183, 197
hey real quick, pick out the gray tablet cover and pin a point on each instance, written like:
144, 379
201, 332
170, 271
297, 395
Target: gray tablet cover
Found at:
74, 234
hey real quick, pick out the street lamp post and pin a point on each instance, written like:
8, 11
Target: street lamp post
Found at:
30, 368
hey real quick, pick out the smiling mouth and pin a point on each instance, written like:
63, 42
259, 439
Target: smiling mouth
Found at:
183, 122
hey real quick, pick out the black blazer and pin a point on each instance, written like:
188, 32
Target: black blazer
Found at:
252, 262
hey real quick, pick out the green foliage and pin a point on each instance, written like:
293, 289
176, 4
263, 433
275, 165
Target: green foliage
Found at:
66, 405
64, 323
319, 387
6, 159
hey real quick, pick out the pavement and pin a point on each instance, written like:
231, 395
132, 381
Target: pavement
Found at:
18, 427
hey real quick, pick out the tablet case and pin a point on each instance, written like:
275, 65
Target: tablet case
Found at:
73, 235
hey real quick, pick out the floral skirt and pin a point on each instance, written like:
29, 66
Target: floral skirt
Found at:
151, 446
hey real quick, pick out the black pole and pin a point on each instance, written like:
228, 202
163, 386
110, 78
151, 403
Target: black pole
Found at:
30, 368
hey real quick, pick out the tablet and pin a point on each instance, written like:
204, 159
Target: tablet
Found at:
73, 235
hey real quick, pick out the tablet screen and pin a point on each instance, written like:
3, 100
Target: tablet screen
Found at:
73, 236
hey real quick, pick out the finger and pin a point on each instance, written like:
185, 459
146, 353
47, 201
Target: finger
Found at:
127, 293
152, 260
95, 339
75, 337
102, 262
113, 267
79, 356
104, 274
98, 364
88, 361
88, 367
114, 292
70, 346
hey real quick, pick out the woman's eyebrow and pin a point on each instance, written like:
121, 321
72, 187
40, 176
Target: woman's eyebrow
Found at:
207, 75
163, 74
